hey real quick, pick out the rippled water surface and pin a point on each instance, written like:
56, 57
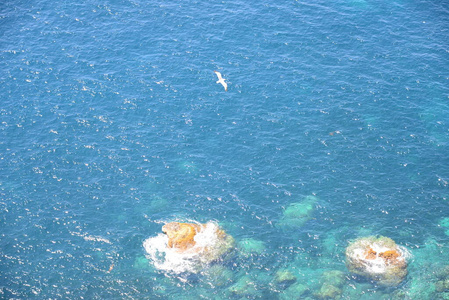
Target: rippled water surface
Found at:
112, 124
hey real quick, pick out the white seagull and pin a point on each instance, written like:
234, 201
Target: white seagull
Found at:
221, 80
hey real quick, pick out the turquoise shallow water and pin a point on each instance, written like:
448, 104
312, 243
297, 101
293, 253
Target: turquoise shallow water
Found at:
112, 124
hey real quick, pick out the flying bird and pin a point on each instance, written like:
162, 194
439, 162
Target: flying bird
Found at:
221, 80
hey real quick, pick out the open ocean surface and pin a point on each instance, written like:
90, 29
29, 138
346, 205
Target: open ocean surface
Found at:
112, 123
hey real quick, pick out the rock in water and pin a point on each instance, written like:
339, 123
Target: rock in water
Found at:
187, 247
295, 291
378, 258
284, 278
250, 246
298, 213
245, 287
332, 283
181, 236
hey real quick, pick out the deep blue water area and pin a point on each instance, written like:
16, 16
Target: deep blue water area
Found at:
112, 124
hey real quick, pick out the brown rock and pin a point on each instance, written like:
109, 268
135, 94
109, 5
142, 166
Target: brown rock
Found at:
370, 254
181, 235
388, 268
390, 256
188, 247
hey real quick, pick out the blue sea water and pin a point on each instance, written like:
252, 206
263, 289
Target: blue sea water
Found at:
112, 124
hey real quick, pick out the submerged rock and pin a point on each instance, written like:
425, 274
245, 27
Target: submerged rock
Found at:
329, 291
245, 287
442, 272
293, 292
332, 283
284, 277
442, 286
334, 277
377, 258
445, 224
187, 247
251, 246
218, 275
442, 283
141, 262
297, 214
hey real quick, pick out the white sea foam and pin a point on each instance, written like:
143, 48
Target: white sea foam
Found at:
378, 265
93, 238
96, 239
207, 248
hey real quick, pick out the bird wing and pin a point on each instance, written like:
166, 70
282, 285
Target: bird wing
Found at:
218, 75
225, 86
